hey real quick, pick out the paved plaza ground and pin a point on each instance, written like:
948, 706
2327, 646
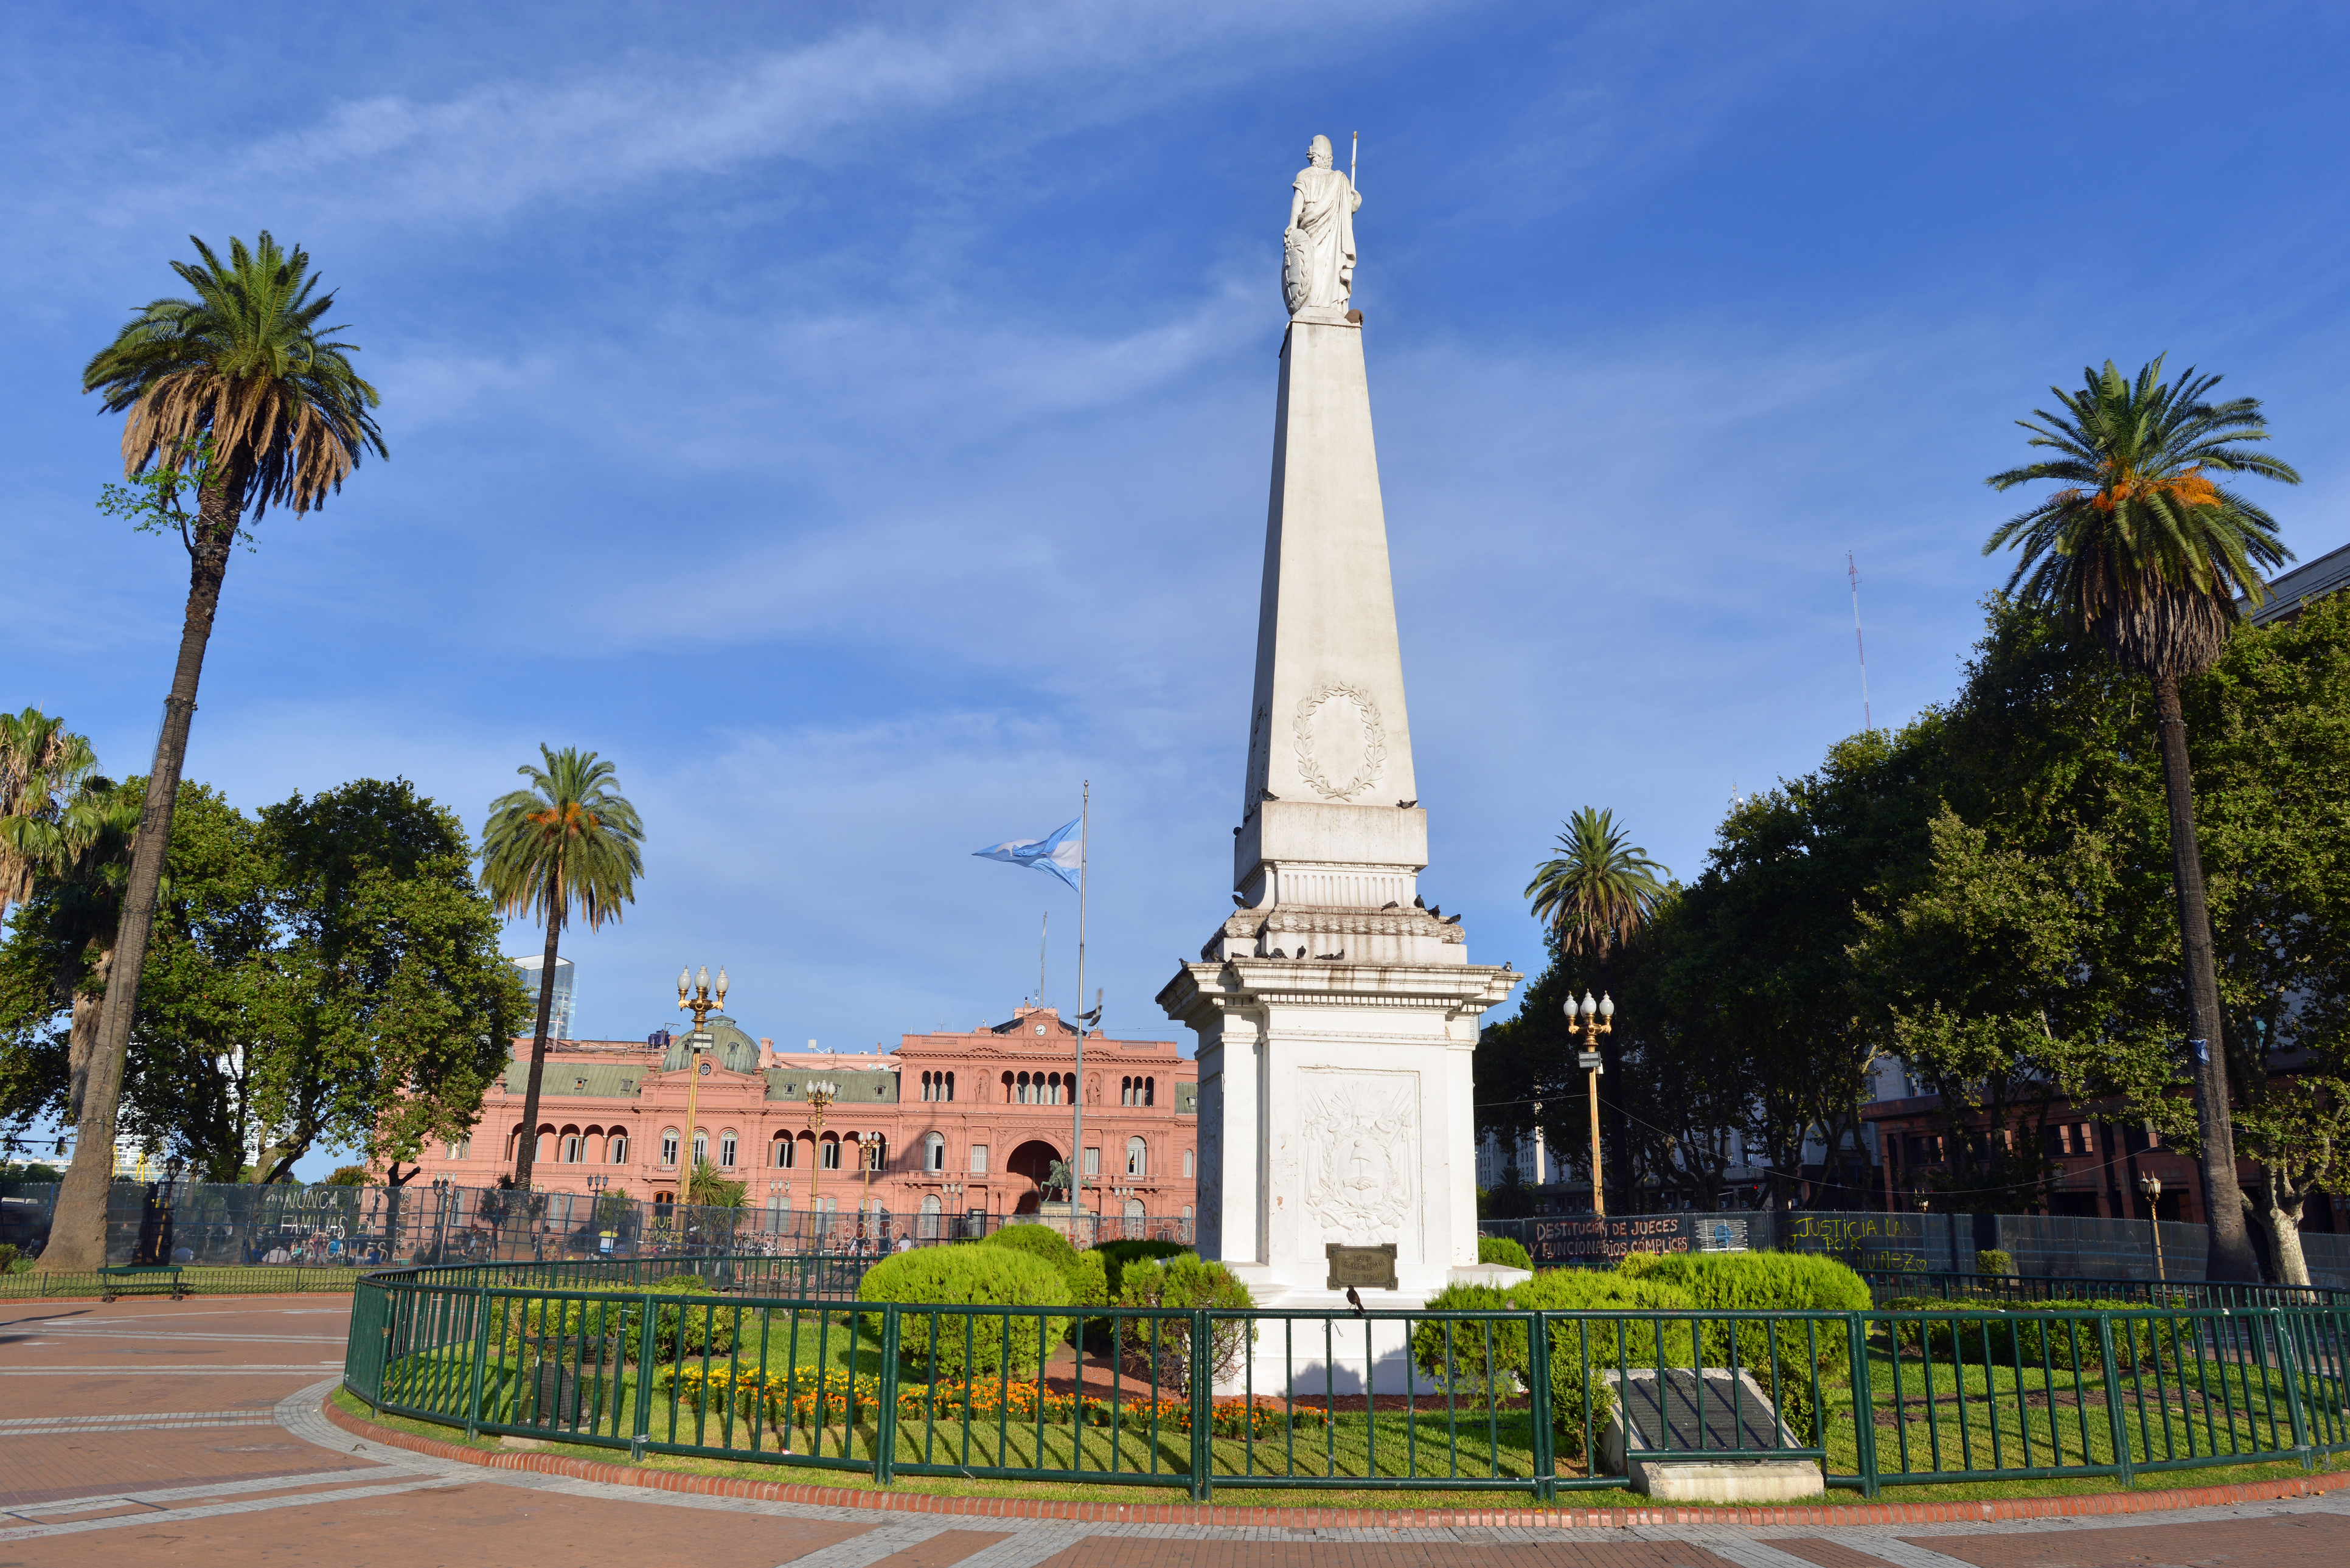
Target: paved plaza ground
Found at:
157, 1432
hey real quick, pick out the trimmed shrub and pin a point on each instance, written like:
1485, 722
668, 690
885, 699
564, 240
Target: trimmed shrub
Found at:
1038, 1242
1161, 1347
1757, 1282
1994, 1261
971, 1345
1501, 1250
1087, 1280
1115, 1255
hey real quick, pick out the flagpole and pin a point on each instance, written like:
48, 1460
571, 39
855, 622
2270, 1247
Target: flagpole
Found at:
1078, 1089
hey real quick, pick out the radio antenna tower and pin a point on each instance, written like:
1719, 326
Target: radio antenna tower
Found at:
1852, 569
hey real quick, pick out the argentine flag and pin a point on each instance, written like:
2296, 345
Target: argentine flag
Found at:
1061, 852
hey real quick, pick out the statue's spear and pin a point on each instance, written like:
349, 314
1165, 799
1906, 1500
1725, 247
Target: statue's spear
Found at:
1355, 158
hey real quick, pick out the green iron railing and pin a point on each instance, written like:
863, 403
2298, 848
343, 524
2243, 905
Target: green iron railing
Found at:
1489, 1401
1894, 1284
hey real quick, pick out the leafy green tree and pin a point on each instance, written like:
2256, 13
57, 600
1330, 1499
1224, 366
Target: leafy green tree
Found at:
65, 849
323, 975
1597, 896
240, 394
2272, 727
565, 848
2143, 550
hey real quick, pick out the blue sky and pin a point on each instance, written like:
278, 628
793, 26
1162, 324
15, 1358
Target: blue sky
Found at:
855, 421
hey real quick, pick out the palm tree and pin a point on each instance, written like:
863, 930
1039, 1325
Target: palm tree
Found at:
239, 392
2142, 549
1597, 895
65, 835
78, 859
565, 848
41, 764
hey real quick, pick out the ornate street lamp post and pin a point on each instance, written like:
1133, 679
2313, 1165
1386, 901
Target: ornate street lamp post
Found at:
819, 1098
698, 998
868, 1151
1598, 1019
2151, 1185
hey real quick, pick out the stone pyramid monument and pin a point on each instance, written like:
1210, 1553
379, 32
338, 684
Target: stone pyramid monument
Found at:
1336, 1015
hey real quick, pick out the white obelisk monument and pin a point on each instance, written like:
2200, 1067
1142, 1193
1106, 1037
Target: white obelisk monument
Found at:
1336, 1015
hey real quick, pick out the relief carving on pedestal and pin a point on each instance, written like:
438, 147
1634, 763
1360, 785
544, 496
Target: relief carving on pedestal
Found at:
1362, 748
1361, 1153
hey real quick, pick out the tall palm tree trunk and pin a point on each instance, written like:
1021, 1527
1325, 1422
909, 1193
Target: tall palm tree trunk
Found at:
77, 1232
81, 1050
2231, 1256
527, 1153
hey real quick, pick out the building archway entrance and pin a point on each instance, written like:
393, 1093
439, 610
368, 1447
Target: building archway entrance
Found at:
1033, 1161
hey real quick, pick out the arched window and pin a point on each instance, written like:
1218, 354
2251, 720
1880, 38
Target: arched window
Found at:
669, 1145
876, 1153
779, 1153
1134, 1208
571, 1149
726, 1147
462, 1148
1138, 1158
700, 1146
934, 1152
831, 1154
546, 1145
1007, 1087
1150, 1091
1187, 1163
615, 1148
1053, 1085
950, 1085
1126, 1091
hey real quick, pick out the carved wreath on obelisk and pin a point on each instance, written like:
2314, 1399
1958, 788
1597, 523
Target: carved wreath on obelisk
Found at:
1361, 1147
1374, 742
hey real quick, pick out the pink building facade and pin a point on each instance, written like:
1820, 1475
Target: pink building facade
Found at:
947, 1124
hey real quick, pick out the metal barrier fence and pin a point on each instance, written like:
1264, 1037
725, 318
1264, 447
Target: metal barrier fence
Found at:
1893, 1285
1201, 1398
322, 1226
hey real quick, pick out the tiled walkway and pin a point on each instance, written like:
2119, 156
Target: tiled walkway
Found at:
157, 1432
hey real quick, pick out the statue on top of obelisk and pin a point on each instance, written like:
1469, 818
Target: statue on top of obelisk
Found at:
1318, 249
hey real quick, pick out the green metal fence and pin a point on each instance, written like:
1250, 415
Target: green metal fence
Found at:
1894, 1284
1199, 1400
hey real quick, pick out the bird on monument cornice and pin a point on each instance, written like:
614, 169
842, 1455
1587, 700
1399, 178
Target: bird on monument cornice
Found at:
1406, 805
1418, 902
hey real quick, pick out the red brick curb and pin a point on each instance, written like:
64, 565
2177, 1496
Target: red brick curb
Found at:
1988, 1510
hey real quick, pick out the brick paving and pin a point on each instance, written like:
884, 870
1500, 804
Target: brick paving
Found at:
2298, 1540
49, 1465
119, 1476
1825, 1552
1116, 1551
483, 1523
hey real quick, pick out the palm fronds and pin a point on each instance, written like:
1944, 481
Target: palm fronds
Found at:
1601, 891
2142, 545
567, 846
245, 364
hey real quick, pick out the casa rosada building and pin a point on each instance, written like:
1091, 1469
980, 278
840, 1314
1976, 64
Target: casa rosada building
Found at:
947, 1124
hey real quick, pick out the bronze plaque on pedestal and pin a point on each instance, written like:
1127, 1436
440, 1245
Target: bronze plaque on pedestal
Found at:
1365, 1267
